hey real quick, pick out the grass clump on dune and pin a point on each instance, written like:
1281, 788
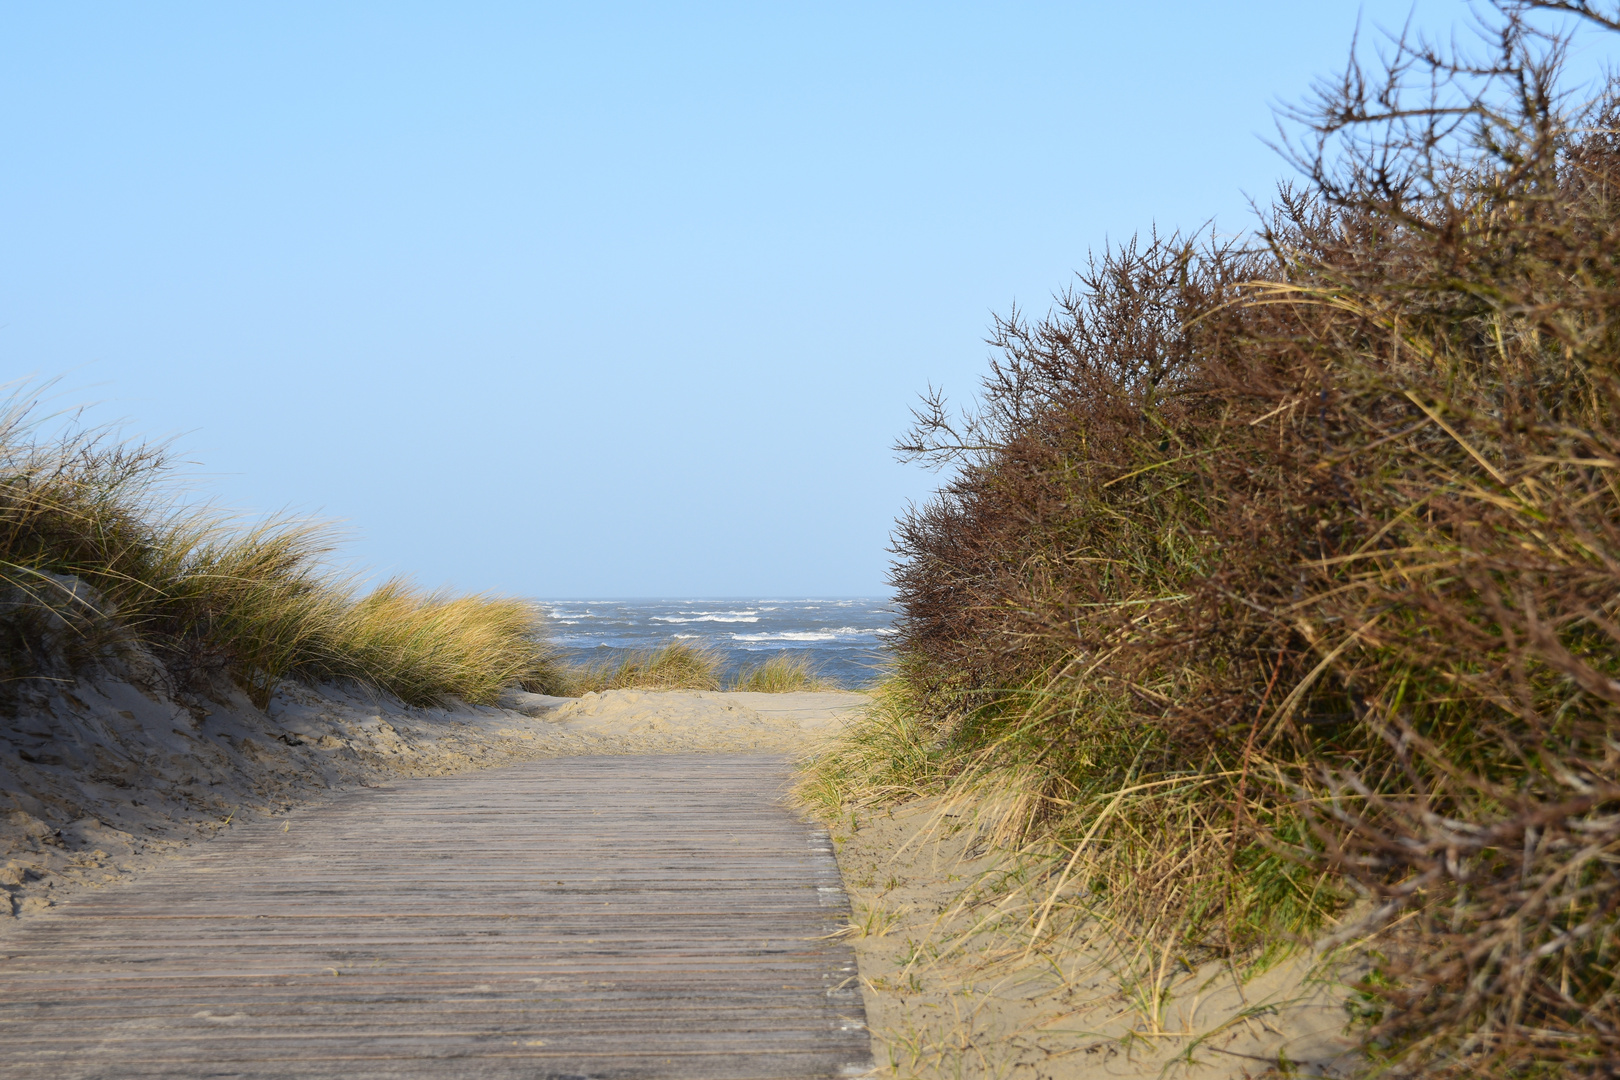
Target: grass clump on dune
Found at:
890, 755
428, 645
677, 665
781, 674
1272, 577
674, 665
95, 550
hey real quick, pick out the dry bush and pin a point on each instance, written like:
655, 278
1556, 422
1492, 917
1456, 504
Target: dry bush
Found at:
1268, 576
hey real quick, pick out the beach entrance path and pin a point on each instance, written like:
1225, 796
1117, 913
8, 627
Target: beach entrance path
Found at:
613, 917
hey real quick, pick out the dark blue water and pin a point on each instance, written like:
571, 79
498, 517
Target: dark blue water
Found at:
843, 638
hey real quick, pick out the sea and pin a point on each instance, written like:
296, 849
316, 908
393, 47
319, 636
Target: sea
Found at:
843, 638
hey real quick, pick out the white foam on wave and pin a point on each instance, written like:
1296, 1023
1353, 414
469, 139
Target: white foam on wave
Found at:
574, 614
729, 617
840, 634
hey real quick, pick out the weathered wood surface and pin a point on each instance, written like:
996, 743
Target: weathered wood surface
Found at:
581, 917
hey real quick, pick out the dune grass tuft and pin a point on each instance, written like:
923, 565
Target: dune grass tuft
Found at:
97, 550
424, 646
674, 665
887, 756
677, 665
782, 674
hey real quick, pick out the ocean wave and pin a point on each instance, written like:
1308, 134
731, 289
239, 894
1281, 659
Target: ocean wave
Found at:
841, 634
726, 618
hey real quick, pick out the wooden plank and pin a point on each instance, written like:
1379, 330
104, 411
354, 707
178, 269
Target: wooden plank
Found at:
583, 917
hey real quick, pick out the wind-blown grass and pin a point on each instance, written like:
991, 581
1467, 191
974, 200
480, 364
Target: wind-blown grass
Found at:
96, 550
781, 674
674, 665
890, 754
678, 665
427, 645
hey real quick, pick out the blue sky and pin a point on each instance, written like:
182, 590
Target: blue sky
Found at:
596, 299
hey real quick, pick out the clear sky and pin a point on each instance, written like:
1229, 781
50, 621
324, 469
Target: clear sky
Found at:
602, 299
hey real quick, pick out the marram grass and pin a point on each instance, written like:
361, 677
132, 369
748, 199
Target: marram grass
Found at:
95, 550
423, 646
781, 674
674, 665
677, 665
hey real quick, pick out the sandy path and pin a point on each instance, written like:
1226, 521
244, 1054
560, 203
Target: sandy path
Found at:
106, 779
613, 915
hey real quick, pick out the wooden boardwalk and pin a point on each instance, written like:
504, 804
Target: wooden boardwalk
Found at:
613, 917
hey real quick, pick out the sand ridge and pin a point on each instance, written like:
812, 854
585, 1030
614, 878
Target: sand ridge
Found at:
703, 719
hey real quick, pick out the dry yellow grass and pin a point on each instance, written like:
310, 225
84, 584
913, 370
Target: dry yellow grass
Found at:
671, 666
95, 548
781, 674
